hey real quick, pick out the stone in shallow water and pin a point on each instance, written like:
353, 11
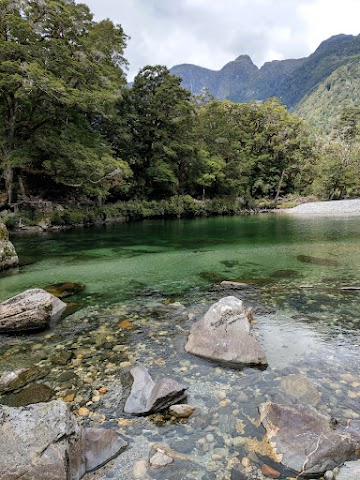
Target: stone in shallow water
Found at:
66, 289
44, 441
160, 459
307, 441
147, 396
33, 309
10, 381
181, 411
223, 335
36, 393
321, 262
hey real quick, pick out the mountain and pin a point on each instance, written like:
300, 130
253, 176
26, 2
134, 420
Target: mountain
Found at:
323, 106
290, 80
239, 80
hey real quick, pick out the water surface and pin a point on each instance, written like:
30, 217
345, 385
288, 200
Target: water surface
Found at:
309, 327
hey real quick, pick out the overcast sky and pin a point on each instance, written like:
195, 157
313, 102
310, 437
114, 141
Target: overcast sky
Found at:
211, 33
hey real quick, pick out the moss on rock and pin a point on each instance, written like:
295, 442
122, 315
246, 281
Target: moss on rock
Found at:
8, 255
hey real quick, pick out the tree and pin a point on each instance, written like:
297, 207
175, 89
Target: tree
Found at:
162, 131
338, 169
60, 74
262, 146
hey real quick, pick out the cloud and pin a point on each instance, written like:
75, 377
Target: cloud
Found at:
212, 33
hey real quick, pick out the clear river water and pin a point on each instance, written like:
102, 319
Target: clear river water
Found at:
297, 271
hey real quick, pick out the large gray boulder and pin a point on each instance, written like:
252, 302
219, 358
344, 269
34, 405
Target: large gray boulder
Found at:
44, 441
307, 441
223, 335
8, 255
31, 310
149, 396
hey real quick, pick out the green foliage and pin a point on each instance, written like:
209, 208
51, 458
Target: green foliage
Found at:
60, 73
259, 149
161, 127
323, 107
68, 121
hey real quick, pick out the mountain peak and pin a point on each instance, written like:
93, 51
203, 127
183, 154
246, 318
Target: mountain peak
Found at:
243, 59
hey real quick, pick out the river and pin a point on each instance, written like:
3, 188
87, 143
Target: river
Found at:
296, 269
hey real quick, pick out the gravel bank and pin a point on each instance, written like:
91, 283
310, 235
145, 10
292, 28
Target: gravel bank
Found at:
333, 208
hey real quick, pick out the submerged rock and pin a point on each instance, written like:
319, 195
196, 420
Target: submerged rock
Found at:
10, 381
223, 335
307, 441
31, 310
149, 396
321, 262
300, 388
44, 441
160, 459
8, 255
65, 289
36, 393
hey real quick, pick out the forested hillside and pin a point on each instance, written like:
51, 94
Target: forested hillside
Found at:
323, 107
77, 145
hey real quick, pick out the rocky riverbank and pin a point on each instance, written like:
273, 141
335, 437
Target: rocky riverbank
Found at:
86, 362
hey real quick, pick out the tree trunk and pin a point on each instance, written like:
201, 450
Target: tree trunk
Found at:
22, 188
279, 187
8, 175
203, 194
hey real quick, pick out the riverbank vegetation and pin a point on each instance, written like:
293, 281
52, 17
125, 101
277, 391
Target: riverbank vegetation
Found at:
78, 145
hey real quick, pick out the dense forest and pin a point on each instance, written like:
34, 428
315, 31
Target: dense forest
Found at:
78, 145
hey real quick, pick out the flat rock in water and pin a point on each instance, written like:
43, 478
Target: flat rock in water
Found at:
307, 441
149, 396
44, 441
223, 335
31, 310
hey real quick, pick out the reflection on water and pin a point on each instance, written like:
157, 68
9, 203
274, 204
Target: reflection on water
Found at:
309, 328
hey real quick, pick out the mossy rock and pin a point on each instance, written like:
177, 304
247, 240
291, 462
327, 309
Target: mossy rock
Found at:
36, 393
4, 235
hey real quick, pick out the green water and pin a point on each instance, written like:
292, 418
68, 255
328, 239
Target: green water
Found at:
173, 257
307, 325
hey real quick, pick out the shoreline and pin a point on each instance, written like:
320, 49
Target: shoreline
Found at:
326, 208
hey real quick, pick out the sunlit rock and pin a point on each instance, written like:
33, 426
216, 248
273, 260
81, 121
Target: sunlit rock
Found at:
223, 335
31, 310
